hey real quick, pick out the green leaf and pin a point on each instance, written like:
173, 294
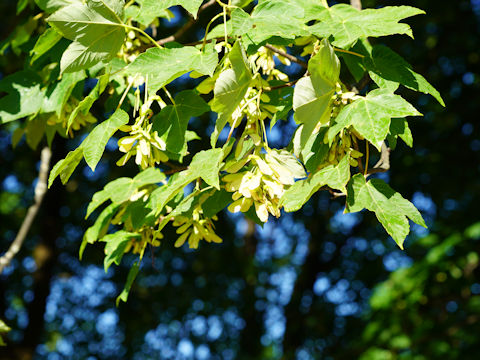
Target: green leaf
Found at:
172, 121
95, 28
51, 6
311, 108
132, 274
161, 196
230, 89
34, 131
282, 100
399, 127
173, 63
315, 151
336, 177
207, 164
148, 11
4, 328
264, 22
24, 96
121, 189
60, 91
216, 202
388, 70
44, 43
347, 24
312, 97
98, 199
324, 68
65, 167
115, 247
389, 206
99, 228
94, 144
282, 160
371, 115
86, 104
191, 6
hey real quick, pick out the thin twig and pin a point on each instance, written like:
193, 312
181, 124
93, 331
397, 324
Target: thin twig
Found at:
288, 84
383, 165
40, 190
287, 56
184, 29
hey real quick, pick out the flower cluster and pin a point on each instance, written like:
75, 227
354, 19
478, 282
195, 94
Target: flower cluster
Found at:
264, 60
195, 228
264, 183
145, 144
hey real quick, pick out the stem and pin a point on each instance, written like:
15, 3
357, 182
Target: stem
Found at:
324, 3
208, 29
367, 151
235, 122
287, 56
169, 95
125, 93
225, 27
349, 52
291, 83
262, 123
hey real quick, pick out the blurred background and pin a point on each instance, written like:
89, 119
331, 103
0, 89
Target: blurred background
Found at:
316, 284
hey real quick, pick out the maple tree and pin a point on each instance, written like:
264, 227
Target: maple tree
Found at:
344, 106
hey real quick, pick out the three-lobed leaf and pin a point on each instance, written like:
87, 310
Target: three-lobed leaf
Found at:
161, 66
347, 24
171, 124
388, 205
371, 115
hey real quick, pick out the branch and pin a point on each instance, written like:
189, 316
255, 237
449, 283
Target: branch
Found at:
40, 190
180, 32
287, 56
383, 165
357, 4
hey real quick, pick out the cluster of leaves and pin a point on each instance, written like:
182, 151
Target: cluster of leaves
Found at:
240, 64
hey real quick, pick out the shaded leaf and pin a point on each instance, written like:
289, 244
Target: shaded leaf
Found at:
388, 70
115, 246
172, 121
24, 96
65, 167
132, 274
99, 228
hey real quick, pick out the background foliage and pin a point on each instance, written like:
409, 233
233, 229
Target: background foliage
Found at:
312, 285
